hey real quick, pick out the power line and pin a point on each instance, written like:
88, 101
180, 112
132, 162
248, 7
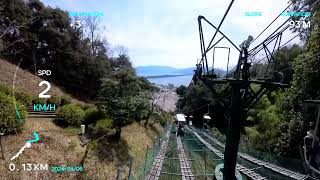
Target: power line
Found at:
271, 23
272, 34
224, 16
279, 48
205, 50
258, 48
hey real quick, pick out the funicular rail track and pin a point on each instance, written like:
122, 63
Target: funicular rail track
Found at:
171, 146
273, 167
185, 166
155, 171
251, 174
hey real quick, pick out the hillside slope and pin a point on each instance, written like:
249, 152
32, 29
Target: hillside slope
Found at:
58, 146
61, 146
27, 81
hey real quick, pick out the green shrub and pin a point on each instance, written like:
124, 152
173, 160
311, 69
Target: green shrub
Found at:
81, 106
92, 114
87, 106
55, 100
161, 118
21, 96
103, 126
5, 89
9, 122
71, 115
163, 122
93, 145
23, 110
24, 98
65, 100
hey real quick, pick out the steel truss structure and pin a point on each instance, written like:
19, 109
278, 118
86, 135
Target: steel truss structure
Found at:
238, 80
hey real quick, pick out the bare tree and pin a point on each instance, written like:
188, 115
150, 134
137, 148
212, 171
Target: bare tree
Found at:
93, 30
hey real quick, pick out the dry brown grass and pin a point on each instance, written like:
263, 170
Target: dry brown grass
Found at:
57, 146
138, 138
52, 149
27, 81
134, 142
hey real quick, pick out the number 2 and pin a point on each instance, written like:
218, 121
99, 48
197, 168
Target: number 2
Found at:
43, 93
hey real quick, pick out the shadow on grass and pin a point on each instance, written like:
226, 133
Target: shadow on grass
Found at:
59, 122
112, 149
107, 148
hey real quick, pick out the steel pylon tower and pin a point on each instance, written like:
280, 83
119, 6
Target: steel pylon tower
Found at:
238, 80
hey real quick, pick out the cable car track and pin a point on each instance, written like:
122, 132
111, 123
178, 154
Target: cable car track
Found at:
185, 166
273, 167
155, 171
251, 174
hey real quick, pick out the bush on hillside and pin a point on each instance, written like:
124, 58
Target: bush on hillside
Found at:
82, 106
163, 121
71, 115
22, 109
55, 100
162, 118
86, 106
102, 127
5, 89
24, 98
92, 114
9, 122
65, 100
158, 118
19, 95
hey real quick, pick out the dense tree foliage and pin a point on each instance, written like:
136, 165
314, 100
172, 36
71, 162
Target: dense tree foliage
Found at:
305, 86
123, 95
81, 62
42, 38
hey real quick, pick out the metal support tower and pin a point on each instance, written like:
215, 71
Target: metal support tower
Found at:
238, 82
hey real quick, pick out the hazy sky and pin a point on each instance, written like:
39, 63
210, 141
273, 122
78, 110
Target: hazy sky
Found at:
165, 32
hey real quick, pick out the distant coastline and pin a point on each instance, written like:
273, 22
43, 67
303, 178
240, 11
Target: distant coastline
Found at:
176, 80
164, 76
